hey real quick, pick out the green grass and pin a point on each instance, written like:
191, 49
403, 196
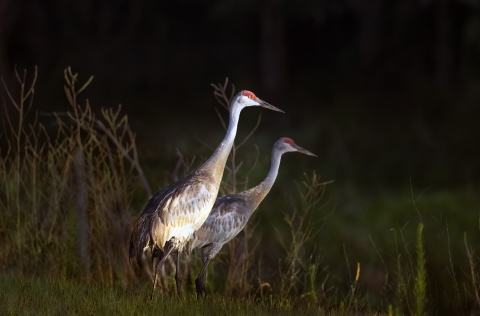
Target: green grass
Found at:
421, 280
36, 296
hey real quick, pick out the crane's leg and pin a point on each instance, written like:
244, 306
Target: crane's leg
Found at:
178, 279
157, 253
168, 249
200, 281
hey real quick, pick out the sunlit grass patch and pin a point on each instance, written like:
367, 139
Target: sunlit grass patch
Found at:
38, 296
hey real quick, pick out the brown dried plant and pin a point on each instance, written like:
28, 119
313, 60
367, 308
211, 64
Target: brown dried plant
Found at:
66, 189
304, 223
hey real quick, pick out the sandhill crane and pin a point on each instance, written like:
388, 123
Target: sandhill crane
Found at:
176, 212
231, 213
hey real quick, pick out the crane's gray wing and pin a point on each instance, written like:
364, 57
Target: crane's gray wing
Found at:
228, 217
183, 205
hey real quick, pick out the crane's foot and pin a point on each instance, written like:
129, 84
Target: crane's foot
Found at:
179, 281
153, 293
200, 286
154, 281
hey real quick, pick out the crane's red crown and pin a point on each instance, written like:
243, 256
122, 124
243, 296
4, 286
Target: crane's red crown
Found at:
249, 94
289, 141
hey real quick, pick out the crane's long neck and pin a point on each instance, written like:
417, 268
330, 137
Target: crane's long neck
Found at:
216, 163
261, 191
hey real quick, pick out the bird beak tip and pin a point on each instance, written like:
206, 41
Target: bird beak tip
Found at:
306, 152
269, 106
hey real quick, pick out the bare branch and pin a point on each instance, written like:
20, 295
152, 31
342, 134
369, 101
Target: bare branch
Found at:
220, 94
203, 143
32, 85
84, 86
133, 161
9, 95
221, 119
174, 174
251, 132
257, 155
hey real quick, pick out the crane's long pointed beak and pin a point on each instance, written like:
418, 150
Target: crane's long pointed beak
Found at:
268, 105
304, 151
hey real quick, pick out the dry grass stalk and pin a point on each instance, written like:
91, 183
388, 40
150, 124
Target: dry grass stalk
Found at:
66, 189
302, 228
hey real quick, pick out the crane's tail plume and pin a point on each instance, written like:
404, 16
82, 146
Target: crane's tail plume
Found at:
139, 240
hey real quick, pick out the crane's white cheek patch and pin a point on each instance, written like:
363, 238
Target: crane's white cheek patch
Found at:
249, 101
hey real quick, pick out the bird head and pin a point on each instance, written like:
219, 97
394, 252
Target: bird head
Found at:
287, 144
247, 98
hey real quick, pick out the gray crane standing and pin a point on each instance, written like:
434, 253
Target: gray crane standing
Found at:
231, 213
176, 212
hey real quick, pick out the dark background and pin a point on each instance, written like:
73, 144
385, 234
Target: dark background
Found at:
386, 93
381, 90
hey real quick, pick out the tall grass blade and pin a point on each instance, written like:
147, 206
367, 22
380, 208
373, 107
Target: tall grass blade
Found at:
421, 282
